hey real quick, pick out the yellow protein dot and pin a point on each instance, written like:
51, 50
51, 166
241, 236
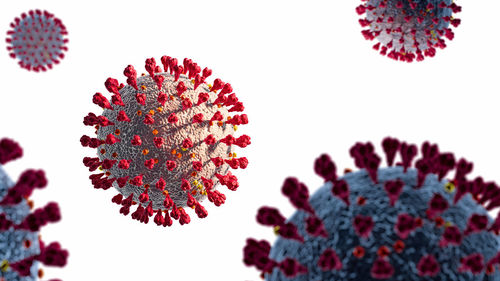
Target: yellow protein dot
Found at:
155, 132
145, 151
276, 229
4, 266
449, 187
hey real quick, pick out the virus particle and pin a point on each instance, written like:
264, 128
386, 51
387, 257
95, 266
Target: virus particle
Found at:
408, 29
21, 246
166, 140
37, 40
393, 223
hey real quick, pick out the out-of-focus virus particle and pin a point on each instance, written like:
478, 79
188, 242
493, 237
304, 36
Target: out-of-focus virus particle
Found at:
21, 246
394, 223
408, 29
37, 40
166, 140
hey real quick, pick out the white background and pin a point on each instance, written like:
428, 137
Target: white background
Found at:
310, 84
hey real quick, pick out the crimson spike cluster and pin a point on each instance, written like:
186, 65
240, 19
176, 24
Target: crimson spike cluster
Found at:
166, 140
408, 29
37, 40
401, 222
21, 246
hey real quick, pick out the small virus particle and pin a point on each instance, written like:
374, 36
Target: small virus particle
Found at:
408, 29
21, 246
411, 223
37, 40
166, 140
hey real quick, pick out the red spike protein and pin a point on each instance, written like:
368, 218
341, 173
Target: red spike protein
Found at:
394, 223
408, 29
21, 246
37, 40
166, 140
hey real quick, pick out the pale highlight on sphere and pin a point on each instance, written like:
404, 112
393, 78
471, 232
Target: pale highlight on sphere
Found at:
166, 141
408, 29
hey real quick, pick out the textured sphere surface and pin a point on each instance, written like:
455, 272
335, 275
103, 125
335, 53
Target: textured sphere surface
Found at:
12, 242
337, 218
37, 40
399, 14
174, 135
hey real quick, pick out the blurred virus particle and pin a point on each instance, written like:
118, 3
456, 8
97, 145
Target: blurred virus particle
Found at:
37, 40
166, 140
408, 29
21, 246
394, 223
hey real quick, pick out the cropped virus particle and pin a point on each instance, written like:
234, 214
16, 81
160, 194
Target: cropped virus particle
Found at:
37, 40
408, 29
21, 246
166, 140
393, 223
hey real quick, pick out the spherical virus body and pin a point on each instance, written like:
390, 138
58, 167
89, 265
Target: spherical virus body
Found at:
21, 246
394, 223
408, 29
37, 40
166, 140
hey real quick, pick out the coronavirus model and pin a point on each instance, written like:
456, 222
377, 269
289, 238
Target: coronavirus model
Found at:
37, 40
21, 246
394, 223
408, 29
166, 140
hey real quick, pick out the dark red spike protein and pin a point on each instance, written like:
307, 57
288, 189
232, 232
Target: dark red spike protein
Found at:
397, 229
298, 194
340, 189
256, 253
428, 266
391, 147
154, 143
382, 269
292, 268
270, 217
393, 189
38, 40
325, 168
329, 260
408, 152
23, 250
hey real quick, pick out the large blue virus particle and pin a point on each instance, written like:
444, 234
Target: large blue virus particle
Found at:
395, 223
37, 40
21, 247
408, 29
